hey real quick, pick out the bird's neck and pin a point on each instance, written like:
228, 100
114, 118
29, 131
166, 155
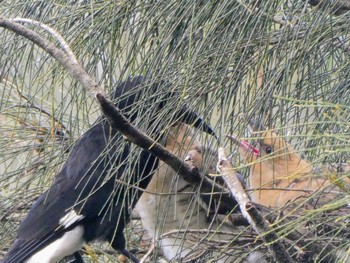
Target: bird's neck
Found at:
279, 172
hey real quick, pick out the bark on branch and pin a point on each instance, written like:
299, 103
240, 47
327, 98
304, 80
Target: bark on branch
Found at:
250, 212
189, 173
68, 62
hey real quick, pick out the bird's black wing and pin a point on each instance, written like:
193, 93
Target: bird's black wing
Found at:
93, 184
84, 184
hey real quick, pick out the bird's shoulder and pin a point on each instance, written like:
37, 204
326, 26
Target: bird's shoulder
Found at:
70, 185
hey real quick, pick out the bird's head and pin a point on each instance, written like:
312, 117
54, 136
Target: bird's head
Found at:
151, 102
272, 159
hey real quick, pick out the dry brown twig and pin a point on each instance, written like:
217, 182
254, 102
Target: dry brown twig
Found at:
149, 252
64, 58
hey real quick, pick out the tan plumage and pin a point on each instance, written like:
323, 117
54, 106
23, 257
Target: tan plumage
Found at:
279, 175
169, 202
171, 205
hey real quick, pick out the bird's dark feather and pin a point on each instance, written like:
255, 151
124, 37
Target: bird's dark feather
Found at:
96, 182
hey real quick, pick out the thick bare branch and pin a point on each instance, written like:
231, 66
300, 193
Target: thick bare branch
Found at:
250, 212
52, 32
189, 173
77, 71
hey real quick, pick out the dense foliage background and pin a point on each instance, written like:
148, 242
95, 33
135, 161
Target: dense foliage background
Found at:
283, 61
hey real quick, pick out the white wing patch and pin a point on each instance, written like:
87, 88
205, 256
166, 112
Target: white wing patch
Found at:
69, 243
70, 218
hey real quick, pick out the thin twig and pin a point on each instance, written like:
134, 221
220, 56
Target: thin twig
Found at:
118, 121
30, 104
149, 252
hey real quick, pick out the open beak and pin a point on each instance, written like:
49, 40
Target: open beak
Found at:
254, 125
244, 146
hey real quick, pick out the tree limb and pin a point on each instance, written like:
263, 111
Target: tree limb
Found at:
114, 116
250, 212
68, 62
52, 32
189, 173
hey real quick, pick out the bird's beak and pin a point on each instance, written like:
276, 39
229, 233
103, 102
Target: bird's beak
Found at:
254, 126
190, 117
244, 147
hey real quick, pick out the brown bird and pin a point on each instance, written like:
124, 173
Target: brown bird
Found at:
279, 175
173, 213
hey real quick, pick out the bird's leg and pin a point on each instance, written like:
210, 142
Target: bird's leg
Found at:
118, 243
77, 258
129, 255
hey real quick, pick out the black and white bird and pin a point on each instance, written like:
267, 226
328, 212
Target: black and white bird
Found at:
92, 196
